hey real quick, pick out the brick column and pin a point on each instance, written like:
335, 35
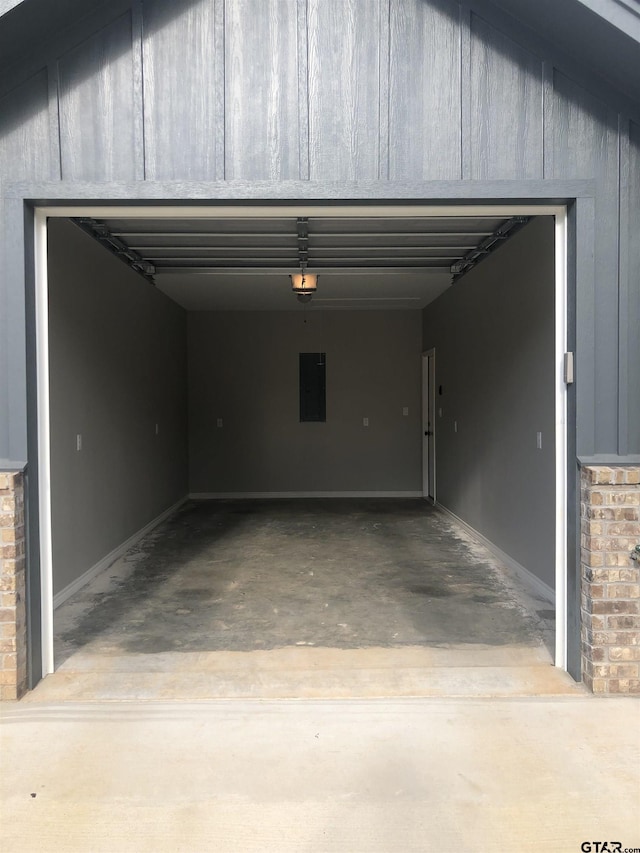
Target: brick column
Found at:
13, 633
610, 517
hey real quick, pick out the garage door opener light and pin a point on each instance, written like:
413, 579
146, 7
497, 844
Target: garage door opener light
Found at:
304, 284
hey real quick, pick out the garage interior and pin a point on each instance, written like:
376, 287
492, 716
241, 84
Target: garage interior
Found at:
299, 557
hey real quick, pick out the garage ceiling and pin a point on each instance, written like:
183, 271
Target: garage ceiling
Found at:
244, 263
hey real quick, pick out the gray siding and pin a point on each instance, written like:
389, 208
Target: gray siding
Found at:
341, 91
182, 100
97, 106
424, 91
630, 313
344, 89
585, 141
24, 153
261, 91
493, 334
505, 132
24, 131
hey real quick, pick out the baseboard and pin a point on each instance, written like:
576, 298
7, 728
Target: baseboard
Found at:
205, 496
539, 587
112, 556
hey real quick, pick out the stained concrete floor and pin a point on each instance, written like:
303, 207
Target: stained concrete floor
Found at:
304, 599
245, 575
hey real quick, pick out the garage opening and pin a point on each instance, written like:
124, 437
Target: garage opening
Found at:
198, 518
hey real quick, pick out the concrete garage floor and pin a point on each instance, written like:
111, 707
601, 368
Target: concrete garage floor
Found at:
306, 599
244, 575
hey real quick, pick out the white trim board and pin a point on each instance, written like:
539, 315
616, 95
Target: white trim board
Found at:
239, 210
44, 442
112, 556
214, 496
302, 208
562, 462
539, 587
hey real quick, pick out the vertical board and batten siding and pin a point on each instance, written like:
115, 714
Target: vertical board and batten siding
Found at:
585, 142
182, 99
344, 89
424, 91
24, 155
631, 310
261, 91
24, 131
96, 95
506, 126
339, 91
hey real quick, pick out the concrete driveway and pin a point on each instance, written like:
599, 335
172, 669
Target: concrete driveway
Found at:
432, 774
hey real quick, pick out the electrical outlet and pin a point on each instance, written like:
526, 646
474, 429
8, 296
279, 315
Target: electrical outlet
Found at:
365, 422
539, 440
405, 412
78, 442
219, 423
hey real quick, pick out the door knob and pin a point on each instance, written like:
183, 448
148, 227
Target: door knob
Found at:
428, 432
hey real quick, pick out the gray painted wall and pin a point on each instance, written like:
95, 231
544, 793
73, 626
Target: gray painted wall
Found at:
493, 332
118, 367
243, 368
